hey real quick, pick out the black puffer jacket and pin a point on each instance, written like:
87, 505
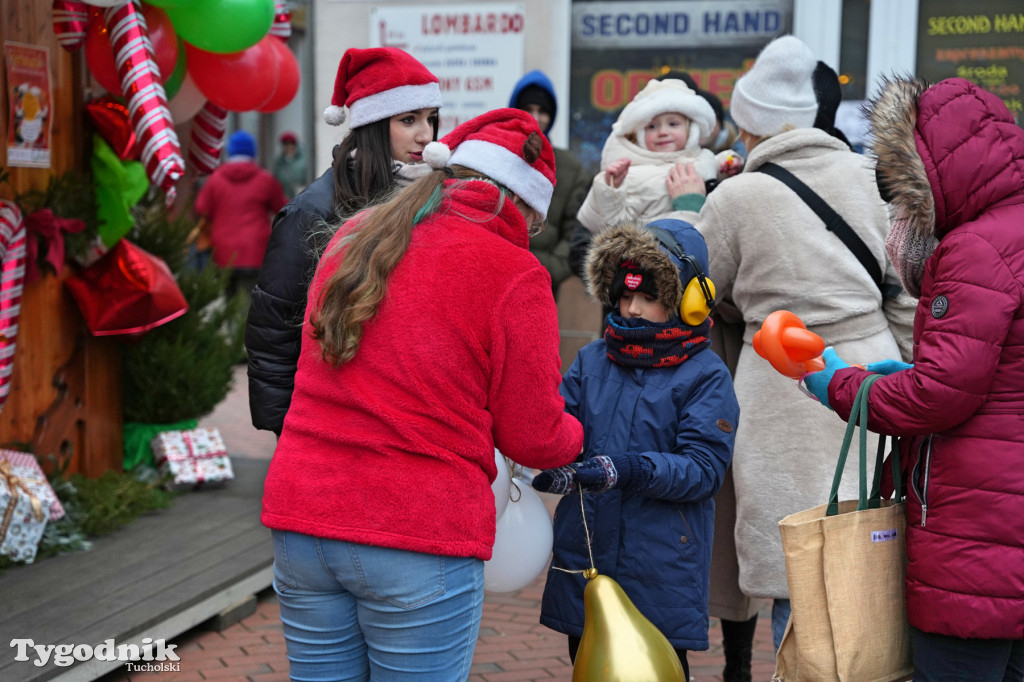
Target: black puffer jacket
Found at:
273, 331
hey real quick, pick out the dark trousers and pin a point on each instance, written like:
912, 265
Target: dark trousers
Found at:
574, 646
940, 658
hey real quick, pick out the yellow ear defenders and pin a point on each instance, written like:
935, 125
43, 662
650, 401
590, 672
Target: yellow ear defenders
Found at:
699, 293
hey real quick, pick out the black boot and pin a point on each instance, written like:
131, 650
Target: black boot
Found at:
738, 642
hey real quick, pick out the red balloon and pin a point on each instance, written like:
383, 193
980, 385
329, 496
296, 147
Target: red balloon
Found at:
99, 55
287, 79
164, 39
238, 81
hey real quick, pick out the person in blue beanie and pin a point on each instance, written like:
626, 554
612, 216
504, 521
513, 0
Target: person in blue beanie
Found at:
535, 95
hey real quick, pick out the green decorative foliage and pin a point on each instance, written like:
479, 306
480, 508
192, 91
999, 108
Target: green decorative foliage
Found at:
69, 195
113, 500
96, 507
183, 369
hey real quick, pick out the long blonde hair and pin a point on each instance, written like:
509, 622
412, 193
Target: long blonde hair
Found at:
353, 292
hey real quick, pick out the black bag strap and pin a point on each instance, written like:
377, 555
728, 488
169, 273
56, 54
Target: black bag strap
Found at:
834, 223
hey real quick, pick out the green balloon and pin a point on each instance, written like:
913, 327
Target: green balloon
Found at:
177, 76
223, 26
171, 3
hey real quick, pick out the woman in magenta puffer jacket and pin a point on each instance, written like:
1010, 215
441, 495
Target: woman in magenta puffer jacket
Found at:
951, 165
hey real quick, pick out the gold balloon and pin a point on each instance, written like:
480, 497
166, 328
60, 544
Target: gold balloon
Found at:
619, 644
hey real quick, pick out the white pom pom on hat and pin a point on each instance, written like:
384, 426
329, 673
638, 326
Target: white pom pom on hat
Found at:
334, 116
436, 155
492, 144
378, 83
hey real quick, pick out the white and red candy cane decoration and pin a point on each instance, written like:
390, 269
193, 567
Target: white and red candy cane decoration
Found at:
207, 138
70, 20
282, 26
12, 280
147, 100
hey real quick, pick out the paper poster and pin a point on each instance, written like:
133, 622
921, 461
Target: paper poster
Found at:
476, 51
29, 112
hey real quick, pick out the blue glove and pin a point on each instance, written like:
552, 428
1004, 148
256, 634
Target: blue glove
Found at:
597, 475
817, 382
887, 367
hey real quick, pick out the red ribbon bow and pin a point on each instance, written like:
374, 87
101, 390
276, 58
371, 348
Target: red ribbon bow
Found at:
48, 228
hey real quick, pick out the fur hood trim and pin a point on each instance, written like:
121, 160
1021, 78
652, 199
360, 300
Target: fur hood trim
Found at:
631, 241
900, 171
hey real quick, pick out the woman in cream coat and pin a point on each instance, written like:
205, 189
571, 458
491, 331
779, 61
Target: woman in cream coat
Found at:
769, 251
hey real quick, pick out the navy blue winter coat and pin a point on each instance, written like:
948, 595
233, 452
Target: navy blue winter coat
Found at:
655, 543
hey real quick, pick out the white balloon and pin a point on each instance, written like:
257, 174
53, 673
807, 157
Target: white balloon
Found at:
522, 544
187, 102
502, 484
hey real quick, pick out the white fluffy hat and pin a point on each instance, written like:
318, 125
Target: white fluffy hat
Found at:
778, 91
662, 97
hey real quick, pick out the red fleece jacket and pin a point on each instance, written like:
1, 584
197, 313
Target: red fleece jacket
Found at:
396, 447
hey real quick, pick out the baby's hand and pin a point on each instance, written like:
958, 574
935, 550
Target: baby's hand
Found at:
616, 171
729, 164
682, 179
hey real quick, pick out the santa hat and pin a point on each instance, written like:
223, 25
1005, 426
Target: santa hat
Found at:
492, 144
662, 97
777, 92
378, 83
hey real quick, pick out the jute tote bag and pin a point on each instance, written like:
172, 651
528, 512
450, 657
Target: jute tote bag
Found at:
845, 563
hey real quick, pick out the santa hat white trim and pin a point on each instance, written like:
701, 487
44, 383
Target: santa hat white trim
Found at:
388, 103
507, 168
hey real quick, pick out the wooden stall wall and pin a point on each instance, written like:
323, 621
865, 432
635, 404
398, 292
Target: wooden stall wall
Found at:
66, 388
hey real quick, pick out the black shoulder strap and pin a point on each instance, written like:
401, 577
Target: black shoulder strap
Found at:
833, 223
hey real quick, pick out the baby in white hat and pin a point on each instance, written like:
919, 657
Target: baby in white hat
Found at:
654, 143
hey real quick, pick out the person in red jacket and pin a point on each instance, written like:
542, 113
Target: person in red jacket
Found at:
430, 339
951, 166
236, 204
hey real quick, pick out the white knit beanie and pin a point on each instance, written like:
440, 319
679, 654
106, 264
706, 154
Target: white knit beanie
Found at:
778, 91
662, 97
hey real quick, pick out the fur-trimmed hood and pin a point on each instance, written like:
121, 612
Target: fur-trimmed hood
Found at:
634, 242
945, 153
899, 172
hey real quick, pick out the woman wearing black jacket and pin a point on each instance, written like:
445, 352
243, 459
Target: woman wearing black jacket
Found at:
390, 101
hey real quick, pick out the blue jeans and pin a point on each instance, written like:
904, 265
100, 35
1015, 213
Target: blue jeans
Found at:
357, 612
939, 658
780, 617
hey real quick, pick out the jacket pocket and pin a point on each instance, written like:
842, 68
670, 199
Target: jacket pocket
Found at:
919, 477
688, 537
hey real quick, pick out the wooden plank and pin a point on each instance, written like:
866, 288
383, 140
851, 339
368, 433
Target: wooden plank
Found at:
156, 578
196, 525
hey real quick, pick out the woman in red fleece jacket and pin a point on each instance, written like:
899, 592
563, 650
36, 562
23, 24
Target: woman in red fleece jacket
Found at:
430, 338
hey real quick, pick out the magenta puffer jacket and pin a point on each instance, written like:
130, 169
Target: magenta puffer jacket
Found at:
951, 159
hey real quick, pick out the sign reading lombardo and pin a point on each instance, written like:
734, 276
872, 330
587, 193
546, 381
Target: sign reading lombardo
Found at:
476, 51
677, 24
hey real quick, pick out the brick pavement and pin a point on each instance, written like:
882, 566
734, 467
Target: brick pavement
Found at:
513, 646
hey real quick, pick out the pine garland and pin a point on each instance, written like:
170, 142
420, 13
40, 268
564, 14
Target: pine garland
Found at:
182, 369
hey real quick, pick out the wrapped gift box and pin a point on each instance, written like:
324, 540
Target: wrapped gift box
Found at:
26, 505
192, 457
26, 466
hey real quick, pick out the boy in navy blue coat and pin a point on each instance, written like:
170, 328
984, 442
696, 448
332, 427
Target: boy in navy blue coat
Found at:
659, 418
